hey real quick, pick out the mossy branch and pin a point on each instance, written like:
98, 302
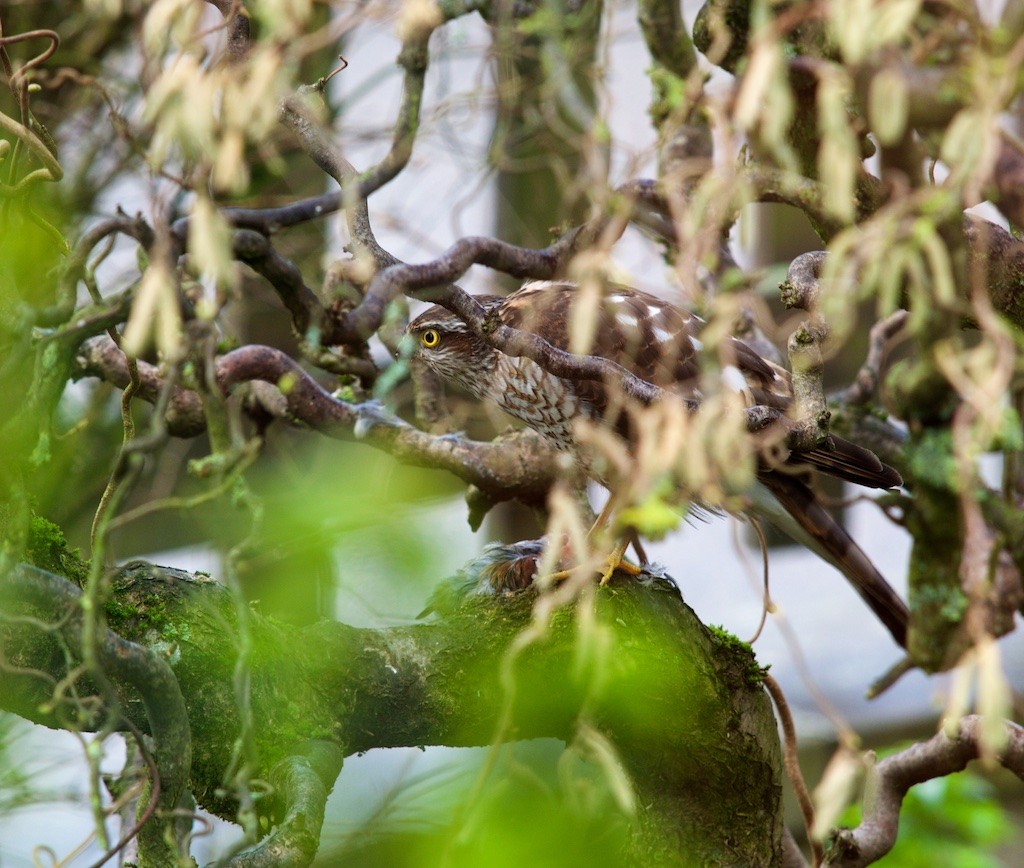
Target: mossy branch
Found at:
686, 714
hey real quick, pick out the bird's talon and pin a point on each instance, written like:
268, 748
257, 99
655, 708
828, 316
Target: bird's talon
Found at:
620, 566
614, 565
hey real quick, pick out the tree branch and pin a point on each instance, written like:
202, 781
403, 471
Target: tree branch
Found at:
423, 280
943, 754
74, 269
521, 466
100, 357
302, 784
318, 144
256, 251
137, 671
683, 708
800, 290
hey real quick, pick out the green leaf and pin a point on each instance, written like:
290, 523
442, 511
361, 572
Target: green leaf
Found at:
653, 517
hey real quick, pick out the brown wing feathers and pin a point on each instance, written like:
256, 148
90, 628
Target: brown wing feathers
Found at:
850, 462
655, 341
644, 334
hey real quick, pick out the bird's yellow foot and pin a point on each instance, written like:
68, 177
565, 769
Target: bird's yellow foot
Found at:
617, 563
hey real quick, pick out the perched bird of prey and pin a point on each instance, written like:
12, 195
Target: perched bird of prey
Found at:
659, 343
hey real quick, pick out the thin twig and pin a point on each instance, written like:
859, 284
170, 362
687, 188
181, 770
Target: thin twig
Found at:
792, 763
864, 388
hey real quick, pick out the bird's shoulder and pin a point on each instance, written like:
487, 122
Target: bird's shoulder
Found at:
646, 335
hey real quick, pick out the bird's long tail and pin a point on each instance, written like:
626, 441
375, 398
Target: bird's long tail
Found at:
798, 513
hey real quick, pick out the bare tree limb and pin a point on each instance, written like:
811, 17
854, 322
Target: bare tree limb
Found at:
256, 251
865, 386
943, 754
800, 290
267, 221
778, 185
319, 145
520, 467
101, 357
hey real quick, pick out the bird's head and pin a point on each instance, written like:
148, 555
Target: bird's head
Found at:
446, 345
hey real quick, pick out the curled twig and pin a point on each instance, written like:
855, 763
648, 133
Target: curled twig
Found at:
33, 62
302, 784
29, 132
75, 268
792, 763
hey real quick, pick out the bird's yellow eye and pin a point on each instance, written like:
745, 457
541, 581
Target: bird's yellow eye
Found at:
430, 338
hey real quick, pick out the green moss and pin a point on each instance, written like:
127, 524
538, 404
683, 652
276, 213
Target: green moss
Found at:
132, 611
735, 14
931, 461
176, 631
122, 610
669, 95
936, 597
946, 602
49, 550
739, 652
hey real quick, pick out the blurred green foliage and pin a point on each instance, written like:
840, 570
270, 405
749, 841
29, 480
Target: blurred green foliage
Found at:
32, 247
540, 805
346, 526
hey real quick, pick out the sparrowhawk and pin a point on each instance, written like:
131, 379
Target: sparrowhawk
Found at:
660, 344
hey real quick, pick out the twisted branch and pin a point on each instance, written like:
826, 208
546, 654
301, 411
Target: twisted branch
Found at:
807, 368
943, 754
302, 783
133, 668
